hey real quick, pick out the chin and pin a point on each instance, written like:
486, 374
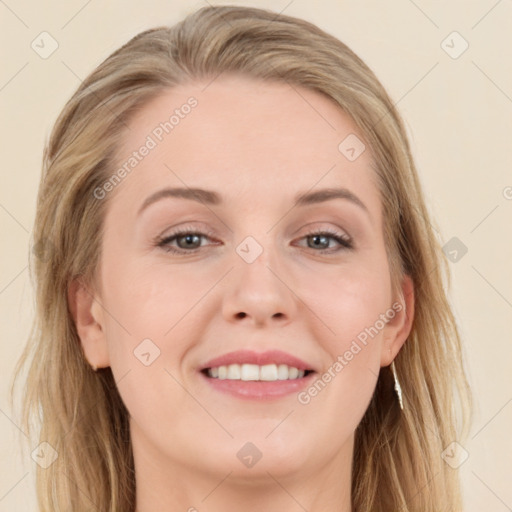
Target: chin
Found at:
253, 456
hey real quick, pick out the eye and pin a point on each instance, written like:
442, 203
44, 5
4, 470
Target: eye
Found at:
188, 241
320, 240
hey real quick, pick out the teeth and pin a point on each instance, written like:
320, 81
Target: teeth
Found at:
282, 372
268, 372
247, 372
233, 372
293, 373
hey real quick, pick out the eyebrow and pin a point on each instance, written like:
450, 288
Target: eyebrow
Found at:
213, 198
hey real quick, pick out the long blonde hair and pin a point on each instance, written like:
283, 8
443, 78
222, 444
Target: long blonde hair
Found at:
397, 463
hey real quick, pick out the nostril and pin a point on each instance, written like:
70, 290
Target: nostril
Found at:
241, 315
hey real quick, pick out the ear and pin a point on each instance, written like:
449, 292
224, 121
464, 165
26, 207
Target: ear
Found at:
398, 328
88, 315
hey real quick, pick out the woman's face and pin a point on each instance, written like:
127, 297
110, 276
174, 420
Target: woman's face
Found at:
267, 286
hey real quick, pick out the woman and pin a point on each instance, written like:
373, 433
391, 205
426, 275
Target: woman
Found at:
241, 300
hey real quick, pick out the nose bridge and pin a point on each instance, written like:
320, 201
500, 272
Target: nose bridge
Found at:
257, 290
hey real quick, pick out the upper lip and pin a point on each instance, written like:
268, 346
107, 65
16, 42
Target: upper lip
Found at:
260, 358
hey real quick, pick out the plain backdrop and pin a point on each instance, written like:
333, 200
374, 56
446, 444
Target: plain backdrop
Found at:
448, 66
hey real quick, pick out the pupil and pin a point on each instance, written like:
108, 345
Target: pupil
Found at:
189, 239
316, 239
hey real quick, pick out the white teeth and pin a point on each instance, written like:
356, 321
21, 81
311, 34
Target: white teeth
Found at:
268, 372
282, 372
234, 372
247, 372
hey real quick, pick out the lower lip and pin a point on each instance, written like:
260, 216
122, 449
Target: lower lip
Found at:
258, 390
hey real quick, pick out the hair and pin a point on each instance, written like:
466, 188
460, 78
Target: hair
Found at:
397, 461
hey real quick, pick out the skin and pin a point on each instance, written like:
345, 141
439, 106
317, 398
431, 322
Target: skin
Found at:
258, 145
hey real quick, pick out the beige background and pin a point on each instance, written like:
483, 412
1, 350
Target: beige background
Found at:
458, 113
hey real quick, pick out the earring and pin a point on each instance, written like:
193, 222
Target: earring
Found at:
398, 388
94, 367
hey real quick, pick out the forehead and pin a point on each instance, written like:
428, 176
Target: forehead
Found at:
244, 137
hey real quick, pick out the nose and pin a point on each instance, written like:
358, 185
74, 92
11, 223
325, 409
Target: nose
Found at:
259, 294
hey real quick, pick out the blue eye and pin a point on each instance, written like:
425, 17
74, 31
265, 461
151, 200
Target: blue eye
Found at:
321, 238
188, 241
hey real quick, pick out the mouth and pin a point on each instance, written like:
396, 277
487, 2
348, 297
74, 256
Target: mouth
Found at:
257, 376
255, 373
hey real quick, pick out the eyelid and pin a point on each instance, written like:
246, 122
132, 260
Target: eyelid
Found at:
319, 227
197, 227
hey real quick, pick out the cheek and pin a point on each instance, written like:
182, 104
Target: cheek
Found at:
348, 302
150, 302
353, 307
350, 335
145, 331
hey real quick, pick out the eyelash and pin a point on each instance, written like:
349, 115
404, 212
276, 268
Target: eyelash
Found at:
163, 242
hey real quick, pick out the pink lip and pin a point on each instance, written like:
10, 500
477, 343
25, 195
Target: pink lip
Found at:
250, 357
257, 390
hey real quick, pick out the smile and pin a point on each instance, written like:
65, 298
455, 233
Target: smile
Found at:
253, 375
254, 372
